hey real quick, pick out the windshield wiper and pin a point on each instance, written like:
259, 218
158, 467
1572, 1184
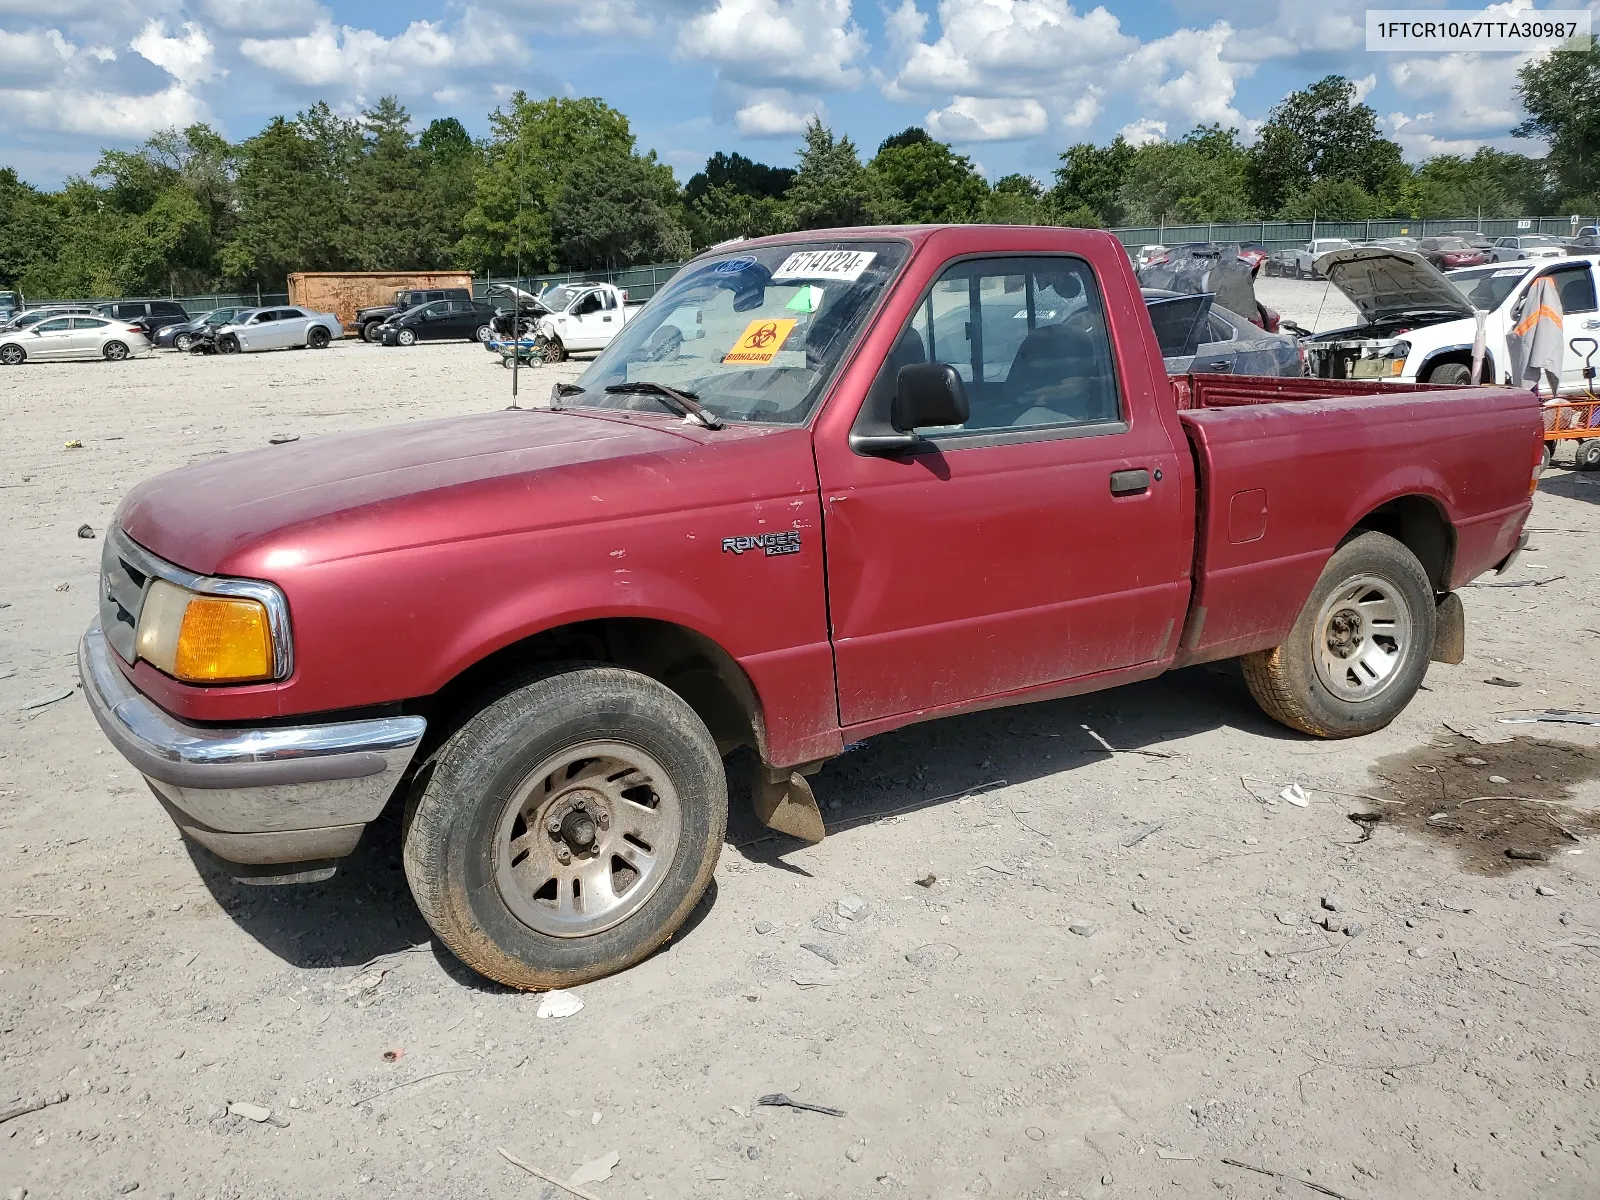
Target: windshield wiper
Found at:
685, 402
563, 389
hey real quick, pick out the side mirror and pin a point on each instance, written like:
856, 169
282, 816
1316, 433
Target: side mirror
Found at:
928, 394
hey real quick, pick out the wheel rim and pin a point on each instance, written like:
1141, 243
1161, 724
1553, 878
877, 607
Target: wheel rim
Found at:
484, 333
406, 337
11, 356
182, 342
1363, 632
613, 813
116, 352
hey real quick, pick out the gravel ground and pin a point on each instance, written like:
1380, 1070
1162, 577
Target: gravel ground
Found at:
1113, 984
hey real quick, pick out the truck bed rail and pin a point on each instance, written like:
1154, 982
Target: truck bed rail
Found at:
1234, 391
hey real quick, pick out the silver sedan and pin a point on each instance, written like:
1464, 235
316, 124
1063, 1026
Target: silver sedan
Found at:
78, 336
278, 329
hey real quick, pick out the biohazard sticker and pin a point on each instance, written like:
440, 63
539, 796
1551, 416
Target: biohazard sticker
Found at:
760, 342
843, 265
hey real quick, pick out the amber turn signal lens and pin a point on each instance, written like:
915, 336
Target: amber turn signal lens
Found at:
224, 640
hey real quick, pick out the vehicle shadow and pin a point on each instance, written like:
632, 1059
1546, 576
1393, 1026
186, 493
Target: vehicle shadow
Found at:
938, 762
1573, 485
366, 912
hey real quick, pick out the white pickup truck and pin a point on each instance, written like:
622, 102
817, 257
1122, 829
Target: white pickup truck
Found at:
583, 316
1302, 263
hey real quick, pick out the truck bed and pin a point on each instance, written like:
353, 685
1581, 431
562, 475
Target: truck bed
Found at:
1278, 492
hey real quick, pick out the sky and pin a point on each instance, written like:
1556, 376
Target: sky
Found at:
1011, 83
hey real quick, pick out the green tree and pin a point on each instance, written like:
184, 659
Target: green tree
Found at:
832, 188
1561, 93
1089, 181
1331, 200
29, 227
739, 175
386, 228
1318, 134
722, 212
928, 181
1016, 200
1201, 178
619, 210
533, 146
291, 198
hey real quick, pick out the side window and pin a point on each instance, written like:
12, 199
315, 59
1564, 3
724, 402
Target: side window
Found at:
89, 323
57, 325
1576, 286
608, 299
1027, 336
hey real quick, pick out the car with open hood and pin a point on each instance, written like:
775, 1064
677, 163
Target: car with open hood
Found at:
1418, 324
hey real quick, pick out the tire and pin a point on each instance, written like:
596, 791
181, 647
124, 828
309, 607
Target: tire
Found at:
534, 754
228, 345
1336, 695
406, 337
1548, 456
369, 332
318, 338
1450, 374
182, 342
13, 356
1588, 456
482, 334
506, 362
554, 351
1299, 271
114, 351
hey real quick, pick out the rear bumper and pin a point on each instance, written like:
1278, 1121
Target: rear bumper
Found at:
1510, 560
277, 794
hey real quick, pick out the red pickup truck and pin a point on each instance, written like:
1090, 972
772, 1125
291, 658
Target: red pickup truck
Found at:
825, 485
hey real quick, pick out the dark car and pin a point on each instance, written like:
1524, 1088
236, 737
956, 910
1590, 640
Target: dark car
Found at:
1450, 253
1584, 243
1198, 336
370, 320
11, 303
151, 316
1476, 240
183, 335
441, 321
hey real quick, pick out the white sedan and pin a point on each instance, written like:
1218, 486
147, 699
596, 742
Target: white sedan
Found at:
278, 329
78, 336
1515, 249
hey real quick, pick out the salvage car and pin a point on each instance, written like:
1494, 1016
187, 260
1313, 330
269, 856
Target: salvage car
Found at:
583, 316
1511, 249
442, 320
1302, 263
84, 335
1419, 324
277, 329
182, 336
538, 632
1450, 253
369, 321
1222, 342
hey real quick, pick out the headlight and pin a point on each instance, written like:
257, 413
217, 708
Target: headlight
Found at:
203, 638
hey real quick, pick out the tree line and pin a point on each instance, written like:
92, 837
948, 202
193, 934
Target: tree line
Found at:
560, 184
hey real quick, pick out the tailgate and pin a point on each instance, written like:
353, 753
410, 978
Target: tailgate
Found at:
1281, 484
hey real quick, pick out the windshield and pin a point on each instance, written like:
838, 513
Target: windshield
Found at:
556, 299
754, 334
1485, 288
218, 316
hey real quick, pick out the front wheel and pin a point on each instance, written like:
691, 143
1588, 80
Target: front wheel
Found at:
482, 334
115, 351
372, 332
1588, 456
554, 351
568, 829
1359, 649
406, 337
182, 342
12, 356
1450, 374
228, 345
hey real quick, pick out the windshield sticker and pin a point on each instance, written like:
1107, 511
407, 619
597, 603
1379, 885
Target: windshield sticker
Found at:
1515, 271
843, 265
760, 342
807, 300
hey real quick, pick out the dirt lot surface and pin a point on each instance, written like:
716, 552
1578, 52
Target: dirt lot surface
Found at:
1078, 972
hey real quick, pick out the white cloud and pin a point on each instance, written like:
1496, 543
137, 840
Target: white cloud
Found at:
103, 114
280, 16
1144, 131
975, 119
778, 115
34, 56
597, 18
364, 63
810, 43
904, 26
187, 59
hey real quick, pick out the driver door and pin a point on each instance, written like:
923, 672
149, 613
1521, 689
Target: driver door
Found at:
584, 323
51, 339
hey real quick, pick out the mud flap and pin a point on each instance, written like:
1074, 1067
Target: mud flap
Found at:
1450, 631
784, 801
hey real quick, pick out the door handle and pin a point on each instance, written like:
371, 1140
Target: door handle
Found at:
605, 318
1130, 483
1591, 324
1221, 366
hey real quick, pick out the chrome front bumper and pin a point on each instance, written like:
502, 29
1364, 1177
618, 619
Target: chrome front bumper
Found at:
272, 795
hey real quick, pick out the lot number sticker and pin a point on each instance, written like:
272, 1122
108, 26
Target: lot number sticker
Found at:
843, 265
760, 342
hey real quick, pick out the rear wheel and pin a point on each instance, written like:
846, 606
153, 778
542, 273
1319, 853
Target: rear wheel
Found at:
318, 338
1359, 649
12, 356
406, 337
1450, 374
115, 351
1588, 457
568, 829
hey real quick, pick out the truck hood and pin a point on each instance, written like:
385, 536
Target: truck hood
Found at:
1384, 284
312, 499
